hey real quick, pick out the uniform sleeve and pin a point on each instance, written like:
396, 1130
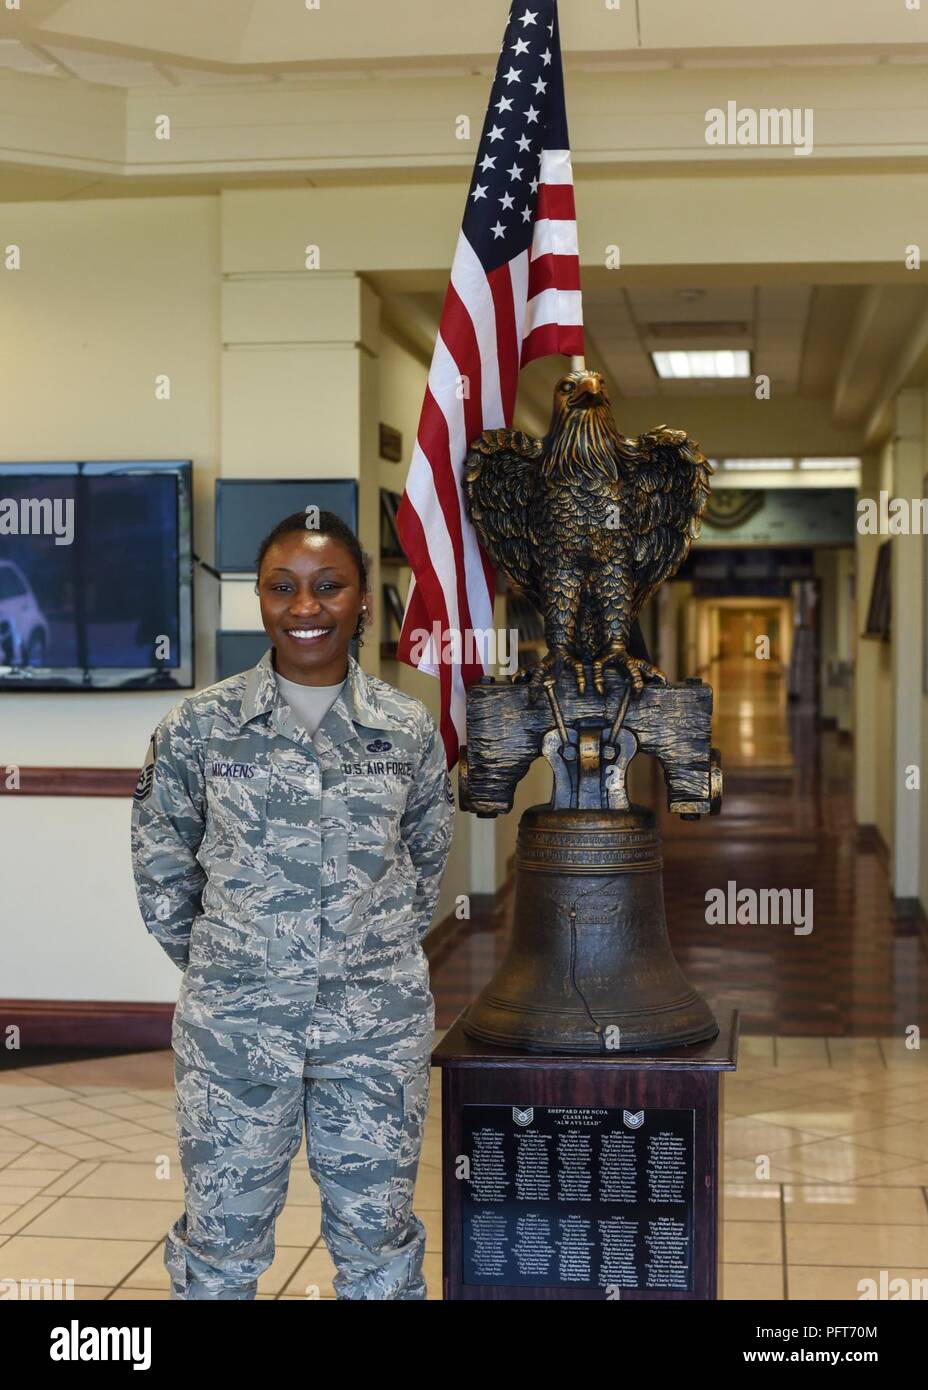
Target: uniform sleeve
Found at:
427, 825
168, 819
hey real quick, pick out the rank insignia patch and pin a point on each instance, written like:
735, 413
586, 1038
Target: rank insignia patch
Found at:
147, 775
449, 789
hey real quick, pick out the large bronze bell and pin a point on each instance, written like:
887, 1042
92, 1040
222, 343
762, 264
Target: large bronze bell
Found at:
590, 966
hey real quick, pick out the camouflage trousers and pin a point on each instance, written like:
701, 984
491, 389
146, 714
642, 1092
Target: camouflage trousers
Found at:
236, 1140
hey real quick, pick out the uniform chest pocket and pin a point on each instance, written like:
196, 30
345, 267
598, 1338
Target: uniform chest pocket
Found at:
297, 810
236, 802
376, 804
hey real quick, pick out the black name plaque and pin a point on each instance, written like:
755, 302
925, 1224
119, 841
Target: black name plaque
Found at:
574, 1197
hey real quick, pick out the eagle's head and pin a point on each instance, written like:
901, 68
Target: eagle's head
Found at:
580, 390
583, 437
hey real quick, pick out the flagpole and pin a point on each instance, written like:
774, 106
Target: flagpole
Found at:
578, 364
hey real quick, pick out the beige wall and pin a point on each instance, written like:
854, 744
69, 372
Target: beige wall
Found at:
109, 296
917, 576
282, 374
875, 713
891, 717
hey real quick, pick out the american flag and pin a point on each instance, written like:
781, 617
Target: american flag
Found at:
514, 295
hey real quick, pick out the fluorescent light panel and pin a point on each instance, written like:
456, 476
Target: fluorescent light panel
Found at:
760, 465
813, 465
715, 364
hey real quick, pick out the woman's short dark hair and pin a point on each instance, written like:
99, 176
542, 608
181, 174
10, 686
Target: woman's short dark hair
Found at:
328, 524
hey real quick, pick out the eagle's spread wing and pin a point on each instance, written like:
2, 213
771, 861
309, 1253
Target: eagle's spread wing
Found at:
501, 477
669, 479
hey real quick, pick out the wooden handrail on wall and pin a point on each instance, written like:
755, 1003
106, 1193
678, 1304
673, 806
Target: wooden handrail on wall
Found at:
70, 781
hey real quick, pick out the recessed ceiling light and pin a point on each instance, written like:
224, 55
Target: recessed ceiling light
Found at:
714, 363
691, 295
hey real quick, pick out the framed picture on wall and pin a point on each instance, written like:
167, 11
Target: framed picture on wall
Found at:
879, 611
390, 546
393, 604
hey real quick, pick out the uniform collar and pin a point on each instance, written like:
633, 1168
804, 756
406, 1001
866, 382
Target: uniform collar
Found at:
357, 702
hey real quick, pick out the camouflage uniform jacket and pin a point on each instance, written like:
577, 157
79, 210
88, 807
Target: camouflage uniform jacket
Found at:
293, 879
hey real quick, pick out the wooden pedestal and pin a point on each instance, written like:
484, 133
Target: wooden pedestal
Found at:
586, 1178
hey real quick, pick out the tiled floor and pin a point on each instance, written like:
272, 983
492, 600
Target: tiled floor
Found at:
837, 1125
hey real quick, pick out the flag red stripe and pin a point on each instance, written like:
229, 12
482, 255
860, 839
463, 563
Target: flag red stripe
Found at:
457, 331
429, 592
435, 444
566, 338
556, 202
500, 282
553, 273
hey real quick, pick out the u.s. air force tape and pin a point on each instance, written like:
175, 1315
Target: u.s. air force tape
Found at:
147, 775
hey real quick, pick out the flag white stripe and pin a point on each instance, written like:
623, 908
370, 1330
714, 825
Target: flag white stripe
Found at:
472, 287
518, 274
555, 238
553, 306
443, 377
420, 487
556, 167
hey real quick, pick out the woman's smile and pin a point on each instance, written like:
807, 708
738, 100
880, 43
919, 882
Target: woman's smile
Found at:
308, 636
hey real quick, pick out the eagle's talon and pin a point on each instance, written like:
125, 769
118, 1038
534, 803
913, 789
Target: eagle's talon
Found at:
550, 666
636, 669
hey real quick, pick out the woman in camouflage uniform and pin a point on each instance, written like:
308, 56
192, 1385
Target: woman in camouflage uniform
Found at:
289, 833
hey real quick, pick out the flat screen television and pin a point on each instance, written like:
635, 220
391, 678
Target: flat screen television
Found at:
96, 581
248, 508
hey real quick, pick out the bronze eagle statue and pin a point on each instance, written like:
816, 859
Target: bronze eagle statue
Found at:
587, 523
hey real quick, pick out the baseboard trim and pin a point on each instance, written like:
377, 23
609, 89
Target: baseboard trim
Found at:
870, 839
